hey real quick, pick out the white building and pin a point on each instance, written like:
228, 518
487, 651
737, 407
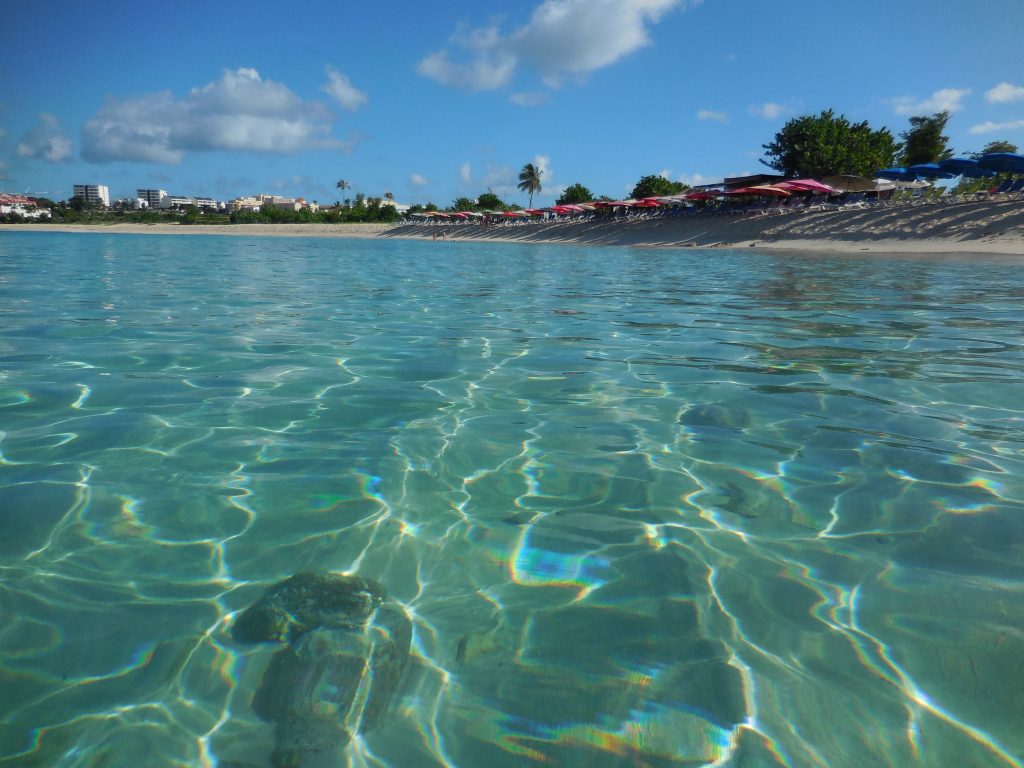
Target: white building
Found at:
96, 194
151, 197
22, 206
180, 202
258, 202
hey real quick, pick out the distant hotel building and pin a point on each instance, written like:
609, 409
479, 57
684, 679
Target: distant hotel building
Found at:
151, 197
258, 202
93, 193
181, 203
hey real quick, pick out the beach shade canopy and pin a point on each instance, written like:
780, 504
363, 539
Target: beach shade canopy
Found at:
807, 185
761, 190
850, 183
967, 167
896, 174
647, 203
701, 195
1007, 162
930, 171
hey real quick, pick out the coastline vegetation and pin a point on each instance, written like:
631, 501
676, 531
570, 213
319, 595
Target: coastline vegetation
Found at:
808, 146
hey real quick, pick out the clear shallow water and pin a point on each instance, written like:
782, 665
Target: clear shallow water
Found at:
644, 508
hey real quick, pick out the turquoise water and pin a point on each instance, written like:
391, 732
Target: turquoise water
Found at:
643, 507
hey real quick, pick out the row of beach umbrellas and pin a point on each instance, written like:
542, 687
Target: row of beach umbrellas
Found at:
986, 166
888, 178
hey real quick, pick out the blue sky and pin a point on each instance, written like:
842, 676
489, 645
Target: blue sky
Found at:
435, 100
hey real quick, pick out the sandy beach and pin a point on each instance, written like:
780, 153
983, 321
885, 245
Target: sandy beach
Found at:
973, 227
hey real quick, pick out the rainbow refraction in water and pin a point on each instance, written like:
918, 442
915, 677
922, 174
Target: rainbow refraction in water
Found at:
640, 507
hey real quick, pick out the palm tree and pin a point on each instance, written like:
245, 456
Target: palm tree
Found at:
529, 180
343, 185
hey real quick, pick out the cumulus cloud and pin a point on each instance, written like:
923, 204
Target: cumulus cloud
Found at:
1005, 92
529, 99
697, 179
45, 141
489, 66
543, 164
769, 110
710, 114
340, 88
238, 112
418, 181
990, 127
947, 99
563, 38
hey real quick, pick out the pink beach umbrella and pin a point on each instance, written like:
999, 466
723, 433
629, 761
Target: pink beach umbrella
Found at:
761, 190
807, 185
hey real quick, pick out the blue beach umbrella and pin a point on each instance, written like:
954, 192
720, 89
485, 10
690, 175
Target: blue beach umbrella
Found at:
970, 169
1003, 161
930, 171
896, 174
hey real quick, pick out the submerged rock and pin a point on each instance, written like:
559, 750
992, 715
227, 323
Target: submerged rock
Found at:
307, 601
348, 648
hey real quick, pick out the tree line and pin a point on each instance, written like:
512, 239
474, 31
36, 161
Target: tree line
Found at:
815, 146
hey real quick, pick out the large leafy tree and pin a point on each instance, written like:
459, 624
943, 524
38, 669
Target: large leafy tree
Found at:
529, 180
656, 186
813, 146
923, 142
995, 146
574, 194
489, 201
463, 204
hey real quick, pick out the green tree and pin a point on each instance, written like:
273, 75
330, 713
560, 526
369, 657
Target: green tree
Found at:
191, 215
656, 186
529, 180
429, 207
574, 194
923, 142
489, 201
813, 146
342, 185
463, 204
995, 146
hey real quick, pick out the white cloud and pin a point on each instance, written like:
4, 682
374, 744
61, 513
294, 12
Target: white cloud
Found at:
710, 114
466, 172
529, 99
45, 140
947, 99
769, 110
340, 88
489, 67
418, 181
990, 127
562, 38
665, 173
238, 112
543, 164
696, 179
1005, 92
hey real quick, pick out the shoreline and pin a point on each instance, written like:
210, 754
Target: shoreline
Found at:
990, 227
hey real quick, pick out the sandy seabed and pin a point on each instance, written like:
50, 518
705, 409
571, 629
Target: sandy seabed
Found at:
926, 229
